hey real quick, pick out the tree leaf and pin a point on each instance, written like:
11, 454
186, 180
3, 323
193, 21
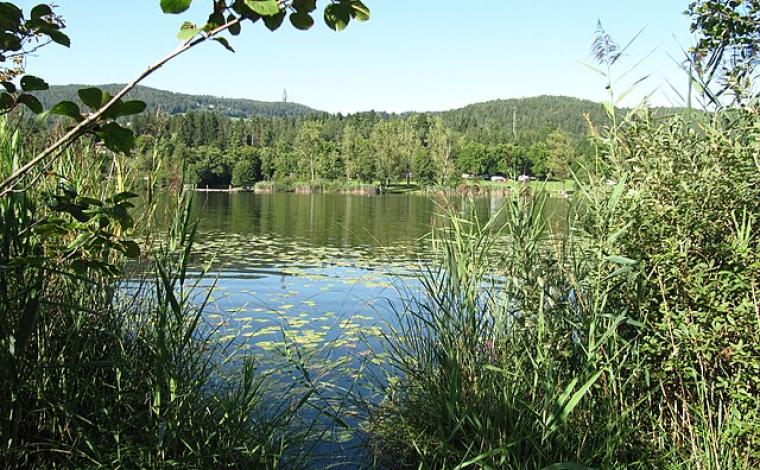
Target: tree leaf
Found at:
59, 37
9, 42
41, 10
234, 28
131, 249
264, 7
224, 43
117, 138
10, 12
31, 102
241, 8
337, 16
175, 6
131, 107
304, 6
32, 83
359, 11
6, 101
274, 22
302, 20
215, 20
68, 109
9, 87
187, 31
92, 97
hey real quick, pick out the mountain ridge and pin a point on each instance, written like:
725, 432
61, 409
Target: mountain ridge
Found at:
207, 102
181, 103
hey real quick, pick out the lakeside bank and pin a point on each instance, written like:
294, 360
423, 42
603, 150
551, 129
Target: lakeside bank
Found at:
555, 188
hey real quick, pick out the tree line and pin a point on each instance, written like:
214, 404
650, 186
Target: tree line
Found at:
210, 149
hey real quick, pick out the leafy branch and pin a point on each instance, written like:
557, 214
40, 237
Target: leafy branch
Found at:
226, 16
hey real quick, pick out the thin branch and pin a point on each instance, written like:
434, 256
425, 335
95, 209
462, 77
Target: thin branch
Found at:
7, 185
28, 52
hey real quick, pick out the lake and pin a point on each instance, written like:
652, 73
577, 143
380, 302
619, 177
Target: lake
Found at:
317, 277
316, 263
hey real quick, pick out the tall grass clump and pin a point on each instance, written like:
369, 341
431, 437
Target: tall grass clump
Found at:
511, 356
105, 358
693, 196
625, 336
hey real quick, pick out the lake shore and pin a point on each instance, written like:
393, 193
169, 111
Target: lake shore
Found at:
559, 188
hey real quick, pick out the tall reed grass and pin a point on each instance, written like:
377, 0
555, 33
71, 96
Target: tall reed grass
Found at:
107, 362
624, 337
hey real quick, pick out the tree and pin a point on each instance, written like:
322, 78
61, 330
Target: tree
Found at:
728, 45
365, 164
409, 144
514, 160
440, 150
329, 161
538, 156
247, 171
349, 149
385, 143
560, 153
423, 168
210, 166
267, 157
307, 148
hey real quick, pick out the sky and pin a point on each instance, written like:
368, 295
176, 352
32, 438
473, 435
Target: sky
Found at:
413, 55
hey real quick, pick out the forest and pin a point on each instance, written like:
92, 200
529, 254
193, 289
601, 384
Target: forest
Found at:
179, 103
219, 143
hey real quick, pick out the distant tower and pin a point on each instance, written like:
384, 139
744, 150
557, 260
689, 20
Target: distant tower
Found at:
284, 95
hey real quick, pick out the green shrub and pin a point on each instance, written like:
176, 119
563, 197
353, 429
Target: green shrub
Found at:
510, 358
246, 173
693, 202
626, 335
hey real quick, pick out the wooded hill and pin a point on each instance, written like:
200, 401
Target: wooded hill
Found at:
536, 117
179, 103
214, 139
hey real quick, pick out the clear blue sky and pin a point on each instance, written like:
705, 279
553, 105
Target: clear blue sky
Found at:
420, 55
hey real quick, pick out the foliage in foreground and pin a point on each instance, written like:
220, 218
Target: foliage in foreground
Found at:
103, 369
628, 337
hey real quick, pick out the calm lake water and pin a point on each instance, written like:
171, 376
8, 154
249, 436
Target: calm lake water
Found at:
316, 273
315, 263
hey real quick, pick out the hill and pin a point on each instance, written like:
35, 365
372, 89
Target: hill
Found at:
179, 103
490, 121
535, 117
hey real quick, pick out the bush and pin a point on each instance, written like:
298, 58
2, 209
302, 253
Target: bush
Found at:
103, 369
629, 336
693, 197
509, 359
245, 174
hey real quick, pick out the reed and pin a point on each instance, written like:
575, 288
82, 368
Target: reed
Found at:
107, 361
624, 336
